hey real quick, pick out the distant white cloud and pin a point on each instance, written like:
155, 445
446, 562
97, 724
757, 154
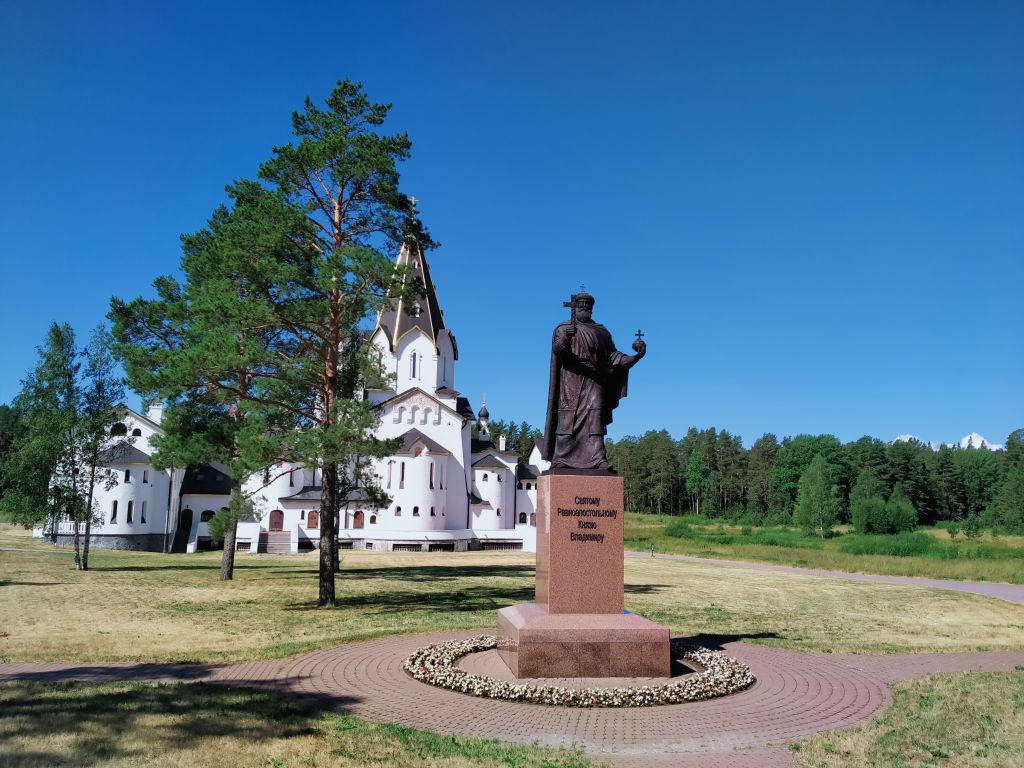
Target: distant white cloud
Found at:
972, 440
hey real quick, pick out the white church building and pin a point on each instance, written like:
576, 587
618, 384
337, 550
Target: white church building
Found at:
449, 491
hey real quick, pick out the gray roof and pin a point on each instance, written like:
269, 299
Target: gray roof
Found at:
527, 472
124, 453
398, 319
476, 445
463, 408
308, 492
315, 493
474, 499
202, 478
413, 436
490, 461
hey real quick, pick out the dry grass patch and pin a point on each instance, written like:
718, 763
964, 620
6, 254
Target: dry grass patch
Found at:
140, 606
204, 726
967, 721
816, 613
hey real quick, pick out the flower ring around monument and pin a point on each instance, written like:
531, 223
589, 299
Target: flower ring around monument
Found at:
437, 664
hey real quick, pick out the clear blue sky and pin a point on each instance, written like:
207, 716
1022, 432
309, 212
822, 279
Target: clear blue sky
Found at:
814, 210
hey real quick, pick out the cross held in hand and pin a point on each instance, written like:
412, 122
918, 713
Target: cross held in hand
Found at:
639, 335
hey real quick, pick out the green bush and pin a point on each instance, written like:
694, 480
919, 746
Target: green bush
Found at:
898, 545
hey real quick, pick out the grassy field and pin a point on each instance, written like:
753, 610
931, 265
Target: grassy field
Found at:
202, 726
929, 552
967, 721
134, 606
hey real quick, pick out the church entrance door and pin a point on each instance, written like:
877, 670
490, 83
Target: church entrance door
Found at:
357, 519
277, 520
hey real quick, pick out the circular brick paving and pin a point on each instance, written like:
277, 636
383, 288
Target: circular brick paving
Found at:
796, 694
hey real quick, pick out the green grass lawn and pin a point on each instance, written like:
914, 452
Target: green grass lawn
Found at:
966, 721
201, 726
928, 552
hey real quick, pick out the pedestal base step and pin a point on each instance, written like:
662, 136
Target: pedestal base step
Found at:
535, 643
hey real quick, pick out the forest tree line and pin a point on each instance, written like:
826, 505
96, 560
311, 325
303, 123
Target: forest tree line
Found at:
710, 472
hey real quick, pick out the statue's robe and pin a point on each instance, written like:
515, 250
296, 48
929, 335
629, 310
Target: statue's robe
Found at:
588, 377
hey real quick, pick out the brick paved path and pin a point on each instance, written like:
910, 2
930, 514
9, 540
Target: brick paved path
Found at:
1013, 593
796, 694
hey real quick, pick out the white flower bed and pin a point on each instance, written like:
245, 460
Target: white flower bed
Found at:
436, 665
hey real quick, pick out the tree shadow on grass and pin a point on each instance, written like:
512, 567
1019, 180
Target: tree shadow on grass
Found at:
437, 572
464, 599
102, 723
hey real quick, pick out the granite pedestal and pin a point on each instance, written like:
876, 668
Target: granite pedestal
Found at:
577, 627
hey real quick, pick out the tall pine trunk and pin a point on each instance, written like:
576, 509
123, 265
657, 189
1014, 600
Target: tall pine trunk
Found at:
328, 533
227, 557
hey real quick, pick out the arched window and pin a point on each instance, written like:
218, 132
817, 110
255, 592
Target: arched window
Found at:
145, 475
529, 486
131, 508
391, 466
412, 366
142, 515
522, 518
313, 521
499, 511
398, 511
431, 475
401, 474
118, 429
113, 511
302, 514
136, 432
432, 512
498, 478
415, 511
519, 486
291, 478
206, 516
373, 519
485, 477
127, 475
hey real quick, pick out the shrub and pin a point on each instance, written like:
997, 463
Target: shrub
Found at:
868, 515
972, 527
899, 545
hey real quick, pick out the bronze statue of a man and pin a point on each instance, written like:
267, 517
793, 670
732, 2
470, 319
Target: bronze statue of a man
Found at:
588, 377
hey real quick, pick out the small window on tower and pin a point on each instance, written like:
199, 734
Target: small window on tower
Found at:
485, 477
415, 511
127, 475
113, 512
432, 512
136, 432
398, 511
143, 514
131, 508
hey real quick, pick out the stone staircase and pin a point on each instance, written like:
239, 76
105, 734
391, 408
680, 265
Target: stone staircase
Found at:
275, 542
